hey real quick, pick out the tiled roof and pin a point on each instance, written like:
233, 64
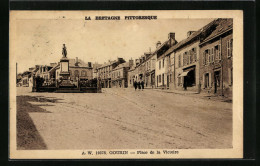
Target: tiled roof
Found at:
80, 64
222, 26
190, 38
126, 64
108, 63
193, 35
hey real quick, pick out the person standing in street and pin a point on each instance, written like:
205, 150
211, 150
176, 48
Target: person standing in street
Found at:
135, 84
139, 84
142, 84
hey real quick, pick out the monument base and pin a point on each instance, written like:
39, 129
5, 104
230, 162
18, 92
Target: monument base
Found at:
66, 83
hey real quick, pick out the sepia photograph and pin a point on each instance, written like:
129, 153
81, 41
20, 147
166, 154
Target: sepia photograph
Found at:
126, 84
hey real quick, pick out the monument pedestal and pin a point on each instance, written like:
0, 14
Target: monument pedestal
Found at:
64, 73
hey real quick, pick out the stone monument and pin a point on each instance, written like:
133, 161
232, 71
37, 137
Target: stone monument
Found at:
64, 69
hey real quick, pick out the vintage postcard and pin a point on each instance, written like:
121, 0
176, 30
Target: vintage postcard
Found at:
155, 84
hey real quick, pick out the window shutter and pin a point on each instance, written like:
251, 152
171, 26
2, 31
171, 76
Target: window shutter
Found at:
210, 79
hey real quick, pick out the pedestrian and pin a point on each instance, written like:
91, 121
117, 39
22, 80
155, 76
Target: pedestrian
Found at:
135, 85
139, 85
142, 84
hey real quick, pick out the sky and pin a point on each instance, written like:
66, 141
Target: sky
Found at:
40, 40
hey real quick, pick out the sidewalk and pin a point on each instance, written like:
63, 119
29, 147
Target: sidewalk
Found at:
176, 91
207, 96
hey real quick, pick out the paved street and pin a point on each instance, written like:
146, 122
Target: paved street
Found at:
124, 118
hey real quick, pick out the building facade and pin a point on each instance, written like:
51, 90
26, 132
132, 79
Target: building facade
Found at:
119, 75
104, 72
162, 62
187, 67
143, 70
216, 60
77, 69
186, 59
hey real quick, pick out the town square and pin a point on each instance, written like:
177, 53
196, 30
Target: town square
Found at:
85, 90
122, 118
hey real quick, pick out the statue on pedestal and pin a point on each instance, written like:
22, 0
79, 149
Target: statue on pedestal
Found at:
64, 51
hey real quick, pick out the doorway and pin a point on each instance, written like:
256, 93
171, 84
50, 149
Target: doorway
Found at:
163, 79
216, 81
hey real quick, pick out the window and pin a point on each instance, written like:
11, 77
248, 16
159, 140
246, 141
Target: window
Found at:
206, 80
159, 65
160, 78
83, 73
163, 63
217, 52
229, 48
206, 57
194, 51
185, 59
76, 73
190, 57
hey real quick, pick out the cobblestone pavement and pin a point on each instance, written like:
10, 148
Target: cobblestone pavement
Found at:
124, 118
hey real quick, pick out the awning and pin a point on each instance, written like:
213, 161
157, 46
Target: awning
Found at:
184, 74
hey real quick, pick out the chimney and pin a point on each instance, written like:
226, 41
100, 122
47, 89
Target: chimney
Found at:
89, 64
189, 33
158, 44
137, 62
77, 61
171, 37
131, 62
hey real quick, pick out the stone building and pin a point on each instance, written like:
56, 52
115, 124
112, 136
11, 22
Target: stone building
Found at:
186, 59
119, 75
104, 72
78, 69
216, 59
95, 70
143, 69
161, 71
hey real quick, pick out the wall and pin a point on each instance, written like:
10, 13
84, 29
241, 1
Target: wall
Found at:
171, 71
160, 71
179, 70
119, 77
224, 66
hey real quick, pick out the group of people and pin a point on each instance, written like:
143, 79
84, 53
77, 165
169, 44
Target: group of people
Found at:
139, 84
